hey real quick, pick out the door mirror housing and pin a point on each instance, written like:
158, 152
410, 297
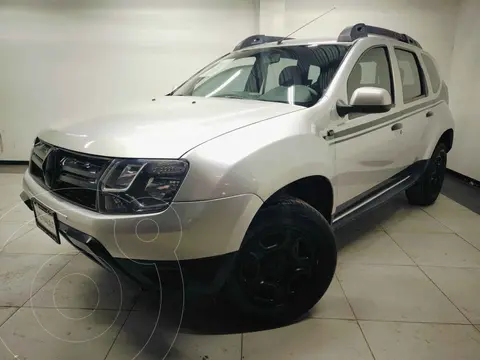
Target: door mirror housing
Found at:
366, 100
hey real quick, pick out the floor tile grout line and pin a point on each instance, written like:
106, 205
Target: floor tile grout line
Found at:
118, 333
9, 317
366, 341
346, 298
32, 253
241, 347
452, 267
23, 305
73, 308
417, 322
130, 311
4, 247
355, 316
408, 255
468, 242
434, 284
438, 233
41, 287
330, 318
438, 287
136, 300
375, 264
452, 230
411, 265
1, 325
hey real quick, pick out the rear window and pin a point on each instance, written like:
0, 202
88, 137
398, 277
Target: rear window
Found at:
432, 73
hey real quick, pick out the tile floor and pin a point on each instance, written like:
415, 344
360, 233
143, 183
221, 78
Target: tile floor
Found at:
407, 287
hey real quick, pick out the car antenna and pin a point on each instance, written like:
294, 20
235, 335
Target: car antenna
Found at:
308, 23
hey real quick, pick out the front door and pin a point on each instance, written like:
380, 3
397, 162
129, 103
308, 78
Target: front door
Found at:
366, 145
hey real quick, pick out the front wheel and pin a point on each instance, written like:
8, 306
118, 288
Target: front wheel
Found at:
285, 264
426, 190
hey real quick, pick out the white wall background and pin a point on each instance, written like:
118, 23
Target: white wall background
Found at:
465, 91
68, 60
431, 22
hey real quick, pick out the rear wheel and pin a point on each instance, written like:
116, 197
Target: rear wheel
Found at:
286, 262
426, 190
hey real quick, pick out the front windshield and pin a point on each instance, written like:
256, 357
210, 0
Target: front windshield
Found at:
297, 75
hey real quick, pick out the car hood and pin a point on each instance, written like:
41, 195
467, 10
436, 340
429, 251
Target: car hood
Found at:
166, 128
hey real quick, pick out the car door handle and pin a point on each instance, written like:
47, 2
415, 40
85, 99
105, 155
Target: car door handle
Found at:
429, 114
397, 126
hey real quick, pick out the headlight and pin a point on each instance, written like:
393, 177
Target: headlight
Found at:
140, 186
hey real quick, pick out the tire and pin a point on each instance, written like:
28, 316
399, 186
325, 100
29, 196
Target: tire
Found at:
426, 190
285, 264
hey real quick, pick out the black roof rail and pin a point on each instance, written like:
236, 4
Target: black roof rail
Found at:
257, 40
358, 31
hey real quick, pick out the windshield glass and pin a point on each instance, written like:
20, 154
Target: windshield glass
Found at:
297, 75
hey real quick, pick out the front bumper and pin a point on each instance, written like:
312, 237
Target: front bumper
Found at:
206, 275
185, 231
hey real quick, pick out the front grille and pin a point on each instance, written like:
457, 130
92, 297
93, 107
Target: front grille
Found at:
71, 175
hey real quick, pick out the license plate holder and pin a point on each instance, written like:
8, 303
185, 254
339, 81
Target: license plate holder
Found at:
46, 220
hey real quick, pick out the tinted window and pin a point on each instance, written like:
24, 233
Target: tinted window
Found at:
274, 71
373, 69
411, 75
296, 75
313, 74
432, 73
236, 77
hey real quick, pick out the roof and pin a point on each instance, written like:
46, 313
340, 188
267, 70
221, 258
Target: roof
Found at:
299, 42
348, 36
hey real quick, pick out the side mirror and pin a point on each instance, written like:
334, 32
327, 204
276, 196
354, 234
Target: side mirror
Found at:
366, 100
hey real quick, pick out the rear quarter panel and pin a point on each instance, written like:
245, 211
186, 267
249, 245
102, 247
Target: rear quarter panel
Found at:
436, 126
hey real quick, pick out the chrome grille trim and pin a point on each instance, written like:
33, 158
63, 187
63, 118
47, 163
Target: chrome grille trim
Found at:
39, 153
80, 168
73, 176
77, 181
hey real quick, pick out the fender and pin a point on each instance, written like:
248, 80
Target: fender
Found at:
436, 127
258, 159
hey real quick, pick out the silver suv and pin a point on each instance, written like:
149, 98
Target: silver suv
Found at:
240, 175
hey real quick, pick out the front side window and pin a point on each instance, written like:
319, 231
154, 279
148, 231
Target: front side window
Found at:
297, 75
372, 69
410, 73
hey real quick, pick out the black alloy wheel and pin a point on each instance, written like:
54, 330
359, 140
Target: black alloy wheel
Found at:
285, 264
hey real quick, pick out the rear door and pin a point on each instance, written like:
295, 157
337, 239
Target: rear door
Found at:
366, 150
416, 104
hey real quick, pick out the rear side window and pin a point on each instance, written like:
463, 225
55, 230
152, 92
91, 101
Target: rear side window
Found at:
412, 78
432, 73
